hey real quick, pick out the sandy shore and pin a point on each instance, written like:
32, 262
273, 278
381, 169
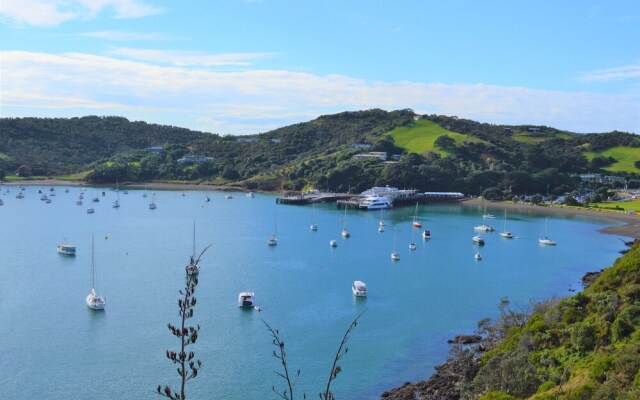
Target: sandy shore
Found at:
629, 228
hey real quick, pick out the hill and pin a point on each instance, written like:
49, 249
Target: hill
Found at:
438, 153
581, 347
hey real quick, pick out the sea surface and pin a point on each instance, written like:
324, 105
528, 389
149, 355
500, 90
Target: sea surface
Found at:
54, 347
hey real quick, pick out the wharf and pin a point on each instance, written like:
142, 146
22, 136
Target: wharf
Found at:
303, 199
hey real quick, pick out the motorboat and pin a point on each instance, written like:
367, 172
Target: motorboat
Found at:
412, 246
228, 196
478, 240
345, 233
477, 256
251, 195
395, 255
359, 289
94, 301
426, 234
484, 228
506, 234
66, 249
333, 243
246, 299
374, 202
90, 210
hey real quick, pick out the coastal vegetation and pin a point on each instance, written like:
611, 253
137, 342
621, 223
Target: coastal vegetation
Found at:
581, 347
425, 152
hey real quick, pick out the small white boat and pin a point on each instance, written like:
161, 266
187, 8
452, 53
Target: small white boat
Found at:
20, 196
359, 289
116, 204
381, 228
487, 215
426, 234
79, 202
66, 249
478, 256
272, 241
246, 299
477, 240
228, 196
94, 301
394, 254
333, 243
345, 233
313, 226
90, 210
545, 239
412, 246
251, 195
484, 228
505, 233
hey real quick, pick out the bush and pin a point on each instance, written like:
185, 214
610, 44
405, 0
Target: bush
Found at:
600, 367
584, 392
583, 337
496, 396
546, 386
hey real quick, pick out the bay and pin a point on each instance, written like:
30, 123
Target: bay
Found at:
54, 347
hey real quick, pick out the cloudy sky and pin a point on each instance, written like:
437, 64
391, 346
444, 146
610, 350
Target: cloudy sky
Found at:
248, 66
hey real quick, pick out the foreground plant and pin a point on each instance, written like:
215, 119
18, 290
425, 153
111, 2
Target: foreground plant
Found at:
290, 380
188, 366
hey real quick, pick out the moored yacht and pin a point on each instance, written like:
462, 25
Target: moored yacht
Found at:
246, 299
484, 228
333, 243
477, 240
546, 241
359, 289
66, 249
426, 234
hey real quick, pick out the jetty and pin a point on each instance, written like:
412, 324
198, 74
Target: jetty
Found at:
312, 197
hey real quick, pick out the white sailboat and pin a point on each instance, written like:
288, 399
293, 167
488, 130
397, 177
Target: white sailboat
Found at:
152, 205
505, 233
394, 254
381, 223
416, 223
273, 239
345, 232
478, 256
545, 239
94, 301
314, 226
116, 204
486, 215
412, 245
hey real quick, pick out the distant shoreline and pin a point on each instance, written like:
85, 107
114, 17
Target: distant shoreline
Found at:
631, 227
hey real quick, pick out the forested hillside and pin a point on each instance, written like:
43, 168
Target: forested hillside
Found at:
433, 152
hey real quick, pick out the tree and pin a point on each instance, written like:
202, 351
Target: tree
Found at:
445, 142
23, 170
188, 335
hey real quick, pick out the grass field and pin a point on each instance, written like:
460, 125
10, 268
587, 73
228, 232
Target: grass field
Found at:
419, 137
530, 138
626, 156
632, 205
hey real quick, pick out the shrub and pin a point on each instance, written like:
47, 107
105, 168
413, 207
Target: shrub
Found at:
496, 396
584, 392
546, 386
583, 337
600, 367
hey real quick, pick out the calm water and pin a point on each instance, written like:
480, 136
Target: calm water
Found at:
54, 347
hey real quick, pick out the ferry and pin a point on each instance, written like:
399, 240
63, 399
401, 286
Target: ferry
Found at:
374, 202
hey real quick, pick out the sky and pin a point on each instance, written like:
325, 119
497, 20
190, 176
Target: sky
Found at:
249, 66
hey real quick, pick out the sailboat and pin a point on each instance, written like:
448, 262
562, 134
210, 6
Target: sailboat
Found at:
412, 245
505, 233
94, 301
193, 269
152, 205
478, 256
381, 217
345, 232
416, 223
485, 215
273, 240
545, 240
116, 204
144, 194
394, 254
314, 226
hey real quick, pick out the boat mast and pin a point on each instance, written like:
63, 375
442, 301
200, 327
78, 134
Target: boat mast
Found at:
193, 250
93, 264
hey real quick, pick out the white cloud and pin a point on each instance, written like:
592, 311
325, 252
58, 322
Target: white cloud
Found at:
258, 100
51, 13
123, 36
189, 58
608, 74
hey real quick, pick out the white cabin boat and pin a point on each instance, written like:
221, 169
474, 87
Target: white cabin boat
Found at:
484, 228
272, 241
246, 299
90, 210
333, 243
546, 241
94, 301
251, 195
478, 256
359, 289
374, 202
66, 249
426, 234
478, 240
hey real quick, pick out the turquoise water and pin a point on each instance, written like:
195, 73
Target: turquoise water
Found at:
54, 347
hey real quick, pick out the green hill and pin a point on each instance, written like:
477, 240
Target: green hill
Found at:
625, 158
419, 137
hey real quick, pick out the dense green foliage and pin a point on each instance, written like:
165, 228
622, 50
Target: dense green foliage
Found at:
437, 153
583, 347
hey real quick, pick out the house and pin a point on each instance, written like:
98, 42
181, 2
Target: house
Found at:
155, 149
193, 159
380, 155
364, 146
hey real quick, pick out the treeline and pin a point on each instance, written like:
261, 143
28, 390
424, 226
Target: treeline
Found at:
316, 154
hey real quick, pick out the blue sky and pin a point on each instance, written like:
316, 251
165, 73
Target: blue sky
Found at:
248, 66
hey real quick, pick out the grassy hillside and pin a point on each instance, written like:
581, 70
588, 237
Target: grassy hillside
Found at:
625, 157
530, 138
419, 137
584, 347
